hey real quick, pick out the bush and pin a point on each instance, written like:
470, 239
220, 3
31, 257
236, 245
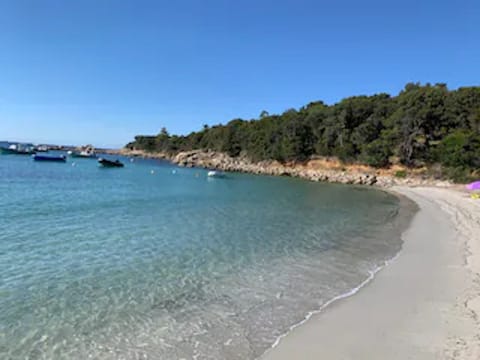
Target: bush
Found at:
459, 150
459, 175
377, 153
401, 174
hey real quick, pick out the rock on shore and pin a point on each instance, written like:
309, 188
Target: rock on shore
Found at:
346, 175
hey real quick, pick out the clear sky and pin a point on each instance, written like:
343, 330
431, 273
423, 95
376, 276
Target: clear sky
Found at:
102, 71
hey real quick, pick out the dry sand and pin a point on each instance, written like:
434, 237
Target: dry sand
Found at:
424, 305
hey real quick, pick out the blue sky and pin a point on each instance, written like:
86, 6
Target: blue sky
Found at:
102, 71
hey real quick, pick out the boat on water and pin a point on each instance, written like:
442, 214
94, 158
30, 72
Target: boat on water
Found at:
110, 163
52, 158
8, 151
87, 151
41, 148
216, 174
82, 154
17, 149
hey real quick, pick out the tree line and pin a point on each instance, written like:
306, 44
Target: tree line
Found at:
423, 125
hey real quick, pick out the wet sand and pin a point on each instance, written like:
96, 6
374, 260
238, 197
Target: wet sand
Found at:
424, 305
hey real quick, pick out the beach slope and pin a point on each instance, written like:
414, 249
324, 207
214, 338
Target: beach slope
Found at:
424, 305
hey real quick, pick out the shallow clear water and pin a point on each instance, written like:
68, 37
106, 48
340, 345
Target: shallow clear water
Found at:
130, 264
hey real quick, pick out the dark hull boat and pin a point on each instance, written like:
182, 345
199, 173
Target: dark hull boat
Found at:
14, 151
109, 163
61, 158
6, 151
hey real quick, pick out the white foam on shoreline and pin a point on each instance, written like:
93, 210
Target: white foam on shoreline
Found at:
353, 291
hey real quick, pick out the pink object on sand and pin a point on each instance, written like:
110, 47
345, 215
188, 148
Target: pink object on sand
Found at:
474, 185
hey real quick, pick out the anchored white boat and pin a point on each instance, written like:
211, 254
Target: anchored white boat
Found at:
87, 151
216, 174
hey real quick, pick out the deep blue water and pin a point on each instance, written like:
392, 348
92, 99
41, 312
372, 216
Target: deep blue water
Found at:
153, 261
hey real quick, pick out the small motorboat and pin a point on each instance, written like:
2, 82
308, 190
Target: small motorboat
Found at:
17, 149
41, 148
216, 174
87, 151
8, 150
60, 158
109, 163
83, 154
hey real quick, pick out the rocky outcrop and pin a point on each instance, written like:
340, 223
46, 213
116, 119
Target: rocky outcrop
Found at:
221, 161
313, 170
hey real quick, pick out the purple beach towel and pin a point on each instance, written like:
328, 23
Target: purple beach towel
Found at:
474, 185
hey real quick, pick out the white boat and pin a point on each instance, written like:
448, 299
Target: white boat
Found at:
17, 149
87, 151
216, 174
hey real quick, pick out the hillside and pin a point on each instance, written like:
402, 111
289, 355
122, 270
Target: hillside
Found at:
424, 126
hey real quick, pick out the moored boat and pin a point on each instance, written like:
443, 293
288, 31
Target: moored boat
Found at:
110, 163
41, 148
7, 151
216, 174
82, 154
15, 149
87, 151
60, 158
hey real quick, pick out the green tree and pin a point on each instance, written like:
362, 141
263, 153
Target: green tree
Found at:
460, 149
422, 125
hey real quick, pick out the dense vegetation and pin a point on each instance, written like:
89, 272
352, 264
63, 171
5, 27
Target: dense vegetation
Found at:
423, 125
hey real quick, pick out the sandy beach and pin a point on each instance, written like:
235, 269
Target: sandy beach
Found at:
424, 305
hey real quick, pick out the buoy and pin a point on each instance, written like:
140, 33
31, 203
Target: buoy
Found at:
152, 172
74, 164
174, 172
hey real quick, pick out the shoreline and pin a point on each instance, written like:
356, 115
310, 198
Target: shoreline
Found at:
407, 211
318, 170
424, 305
438, 314
324, 307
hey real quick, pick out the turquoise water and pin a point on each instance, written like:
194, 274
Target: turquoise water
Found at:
157, 262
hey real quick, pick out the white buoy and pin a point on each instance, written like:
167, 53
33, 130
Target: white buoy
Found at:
152, 172
174, 172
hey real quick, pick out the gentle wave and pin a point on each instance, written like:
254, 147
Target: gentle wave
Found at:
131, 263
351, 292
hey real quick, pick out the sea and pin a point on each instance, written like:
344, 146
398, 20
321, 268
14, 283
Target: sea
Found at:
154, 261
